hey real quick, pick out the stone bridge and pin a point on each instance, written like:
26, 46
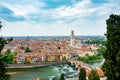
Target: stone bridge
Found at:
79, 64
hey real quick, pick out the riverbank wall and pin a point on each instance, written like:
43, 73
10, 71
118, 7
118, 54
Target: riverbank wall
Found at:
32, 65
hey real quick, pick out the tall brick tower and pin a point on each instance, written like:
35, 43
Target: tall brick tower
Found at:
72, 38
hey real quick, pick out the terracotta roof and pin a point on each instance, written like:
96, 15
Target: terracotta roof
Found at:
87, 73
100, 72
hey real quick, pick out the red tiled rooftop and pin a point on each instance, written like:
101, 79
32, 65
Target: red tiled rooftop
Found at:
101, 73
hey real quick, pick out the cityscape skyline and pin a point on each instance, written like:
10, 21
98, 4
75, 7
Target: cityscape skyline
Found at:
55, 17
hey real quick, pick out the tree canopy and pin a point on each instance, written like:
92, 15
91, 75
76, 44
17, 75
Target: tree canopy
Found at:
9, 59
28, 50
94, 75
111, 66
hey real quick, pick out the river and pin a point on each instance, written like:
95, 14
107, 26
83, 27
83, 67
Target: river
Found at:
97, 63
48, 73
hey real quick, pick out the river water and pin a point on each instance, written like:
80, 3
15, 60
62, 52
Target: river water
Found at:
97, 63
48, 73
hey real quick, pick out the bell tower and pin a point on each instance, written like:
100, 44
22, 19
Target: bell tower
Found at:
72, 38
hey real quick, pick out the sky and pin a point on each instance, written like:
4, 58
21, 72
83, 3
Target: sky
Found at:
56, 17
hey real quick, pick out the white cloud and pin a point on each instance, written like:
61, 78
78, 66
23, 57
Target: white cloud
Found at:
30, 28
78, 9
23, 7
84, 17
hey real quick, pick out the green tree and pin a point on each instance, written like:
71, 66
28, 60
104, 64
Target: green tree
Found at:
62, 77
82, 74
22, 47
100, 51
3, 75
8, 51
94, 75
9, 58
28, 49
111, 66
64, 58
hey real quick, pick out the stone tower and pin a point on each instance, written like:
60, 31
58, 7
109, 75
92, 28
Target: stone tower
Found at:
72, 38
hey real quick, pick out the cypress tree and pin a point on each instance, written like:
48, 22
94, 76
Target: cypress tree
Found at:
111, 66
3, 75
94, 75
62, 77
82, 74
